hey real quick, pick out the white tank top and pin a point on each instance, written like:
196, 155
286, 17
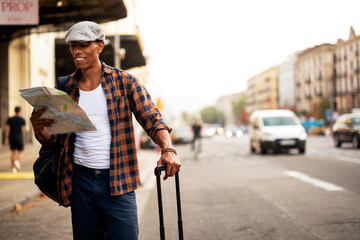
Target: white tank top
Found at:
92, 148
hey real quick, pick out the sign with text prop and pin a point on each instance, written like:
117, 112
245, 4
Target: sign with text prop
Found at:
19, 12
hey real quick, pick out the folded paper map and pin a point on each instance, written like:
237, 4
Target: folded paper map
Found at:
68, 114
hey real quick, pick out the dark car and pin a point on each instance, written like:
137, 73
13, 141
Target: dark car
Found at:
146, 142
347, 129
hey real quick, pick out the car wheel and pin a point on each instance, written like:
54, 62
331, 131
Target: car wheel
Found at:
355, 141
263, 149
302, 150
337, 141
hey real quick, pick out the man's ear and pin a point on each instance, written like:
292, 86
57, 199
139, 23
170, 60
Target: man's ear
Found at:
101, 46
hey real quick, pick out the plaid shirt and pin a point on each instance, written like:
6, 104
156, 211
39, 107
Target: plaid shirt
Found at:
125, 95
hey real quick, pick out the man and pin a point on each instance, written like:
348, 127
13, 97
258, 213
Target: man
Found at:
196, 129
15, 126
98, 170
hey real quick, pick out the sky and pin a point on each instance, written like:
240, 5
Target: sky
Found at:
203, 49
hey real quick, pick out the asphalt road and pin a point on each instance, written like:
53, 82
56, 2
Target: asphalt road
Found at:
229, 193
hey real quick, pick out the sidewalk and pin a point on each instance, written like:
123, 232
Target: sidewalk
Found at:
23, 190
19, 190
36, 216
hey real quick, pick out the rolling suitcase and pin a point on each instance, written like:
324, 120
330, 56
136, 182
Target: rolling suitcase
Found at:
158, 171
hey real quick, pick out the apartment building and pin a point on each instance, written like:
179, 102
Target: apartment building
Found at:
347, 84
314, 77
262, 91
267, 88
250, 100
286, 84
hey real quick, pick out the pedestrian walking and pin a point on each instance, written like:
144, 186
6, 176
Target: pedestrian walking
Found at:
15, 127
98, 170
196, 129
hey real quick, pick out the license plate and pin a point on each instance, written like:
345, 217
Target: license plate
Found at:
287, 142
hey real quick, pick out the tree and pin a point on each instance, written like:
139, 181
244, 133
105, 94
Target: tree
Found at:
321, 108
238, 108
187, 117
211, 115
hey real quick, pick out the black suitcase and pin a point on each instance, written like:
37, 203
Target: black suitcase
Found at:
158, 171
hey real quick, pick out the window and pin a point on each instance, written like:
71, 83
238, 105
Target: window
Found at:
279, 121
355, 120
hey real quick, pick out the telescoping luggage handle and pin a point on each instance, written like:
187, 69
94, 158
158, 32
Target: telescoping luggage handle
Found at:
158, 171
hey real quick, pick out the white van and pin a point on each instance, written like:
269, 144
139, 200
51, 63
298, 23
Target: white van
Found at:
276, 129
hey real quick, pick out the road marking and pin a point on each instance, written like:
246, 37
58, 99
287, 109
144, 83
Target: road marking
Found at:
314, 181
19, 175
348, 159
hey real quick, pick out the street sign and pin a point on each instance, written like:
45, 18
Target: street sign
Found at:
19, 12
329, 115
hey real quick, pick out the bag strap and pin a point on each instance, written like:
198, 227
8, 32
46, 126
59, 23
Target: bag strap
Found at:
62, 81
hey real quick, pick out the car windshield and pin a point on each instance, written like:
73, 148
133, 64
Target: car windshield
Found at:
355, 120
279, 121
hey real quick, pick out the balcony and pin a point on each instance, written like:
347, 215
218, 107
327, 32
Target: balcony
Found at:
319, 93
308, 96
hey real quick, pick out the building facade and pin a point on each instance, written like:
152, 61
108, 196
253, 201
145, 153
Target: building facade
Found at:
251, 96
347, 84
267, 88
31, 60
314, 77
262, 91
286, 84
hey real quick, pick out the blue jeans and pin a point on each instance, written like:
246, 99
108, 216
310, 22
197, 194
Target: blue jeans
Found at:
97, 215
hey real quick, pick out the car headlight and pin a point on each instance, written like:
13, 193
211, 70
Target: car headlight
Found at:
239, 134
267, 136
228, 134
302, 135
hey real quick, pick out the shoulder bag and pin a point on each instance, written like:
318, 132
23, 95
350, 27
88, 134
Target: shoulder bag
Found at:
45, 167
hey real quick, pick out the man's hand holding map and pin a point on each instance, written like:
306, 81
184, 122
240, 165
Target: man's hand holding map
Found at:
61, 107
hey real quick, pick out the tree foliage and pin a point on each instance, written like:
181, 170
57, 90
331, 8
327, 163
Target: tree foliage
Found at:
238, 107
321, 108
211, 115
187, 117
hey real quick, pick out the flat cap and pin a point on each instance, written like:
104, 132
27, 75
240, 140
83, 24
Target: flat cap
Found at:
85, 32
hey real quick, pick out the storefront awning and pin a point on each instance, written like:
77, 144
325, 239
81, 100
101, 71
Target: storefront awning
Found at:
59, 15
133, 52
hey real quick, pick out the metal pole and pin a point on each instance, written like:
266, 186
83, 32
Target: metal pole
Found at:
117, 61
180, 225
161, 218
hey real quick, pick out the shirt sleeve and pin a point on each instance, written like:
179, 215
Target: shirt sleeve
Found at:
144, 109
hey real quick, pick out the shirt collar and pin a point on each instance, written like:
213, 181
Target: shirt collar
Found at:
74, 80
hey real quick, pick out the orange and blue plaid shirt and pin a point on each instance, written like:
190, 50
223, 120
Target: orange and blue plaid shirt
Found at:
125, 95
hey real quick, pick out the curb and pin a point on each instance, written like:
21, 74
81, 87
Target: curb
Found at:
9, 207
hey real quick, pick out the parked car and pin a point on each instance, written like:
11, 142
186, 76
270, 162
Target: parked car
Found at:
208, 130
347, 129
146, 142
276, 129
